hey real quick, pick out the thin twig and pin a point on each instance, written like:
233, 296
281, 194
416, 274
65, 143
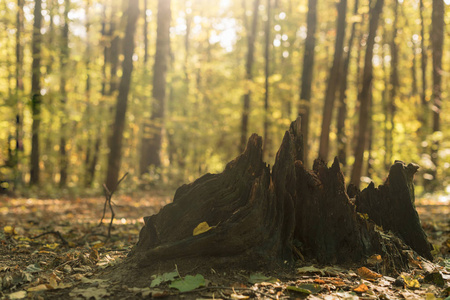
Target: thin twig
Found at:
108, 196
57, 233
230, 288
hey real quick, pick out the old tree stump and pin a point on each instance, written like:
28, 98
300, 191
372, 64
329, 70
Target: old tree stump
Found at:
257, 216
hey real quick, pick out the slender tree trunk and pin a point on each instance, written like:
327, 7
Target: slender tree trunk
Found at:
88, 111
424, 112
18, 153
307, 76
153, 130
145, 33
437, 42
36, 98
114, 49
369, 138
64, 58
385, 99
249, 76
394, 86
115, 153
333, 81
364, 95
342, 112
268, 41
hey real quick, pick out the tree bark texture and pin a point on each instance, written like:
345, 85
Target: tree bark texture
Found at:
392, 206
267, 44
249, 75
64, 58
304, 104
342, 140
364, 95
153, 128
36, 97
115, 153
437, 42
257, 216
333, 81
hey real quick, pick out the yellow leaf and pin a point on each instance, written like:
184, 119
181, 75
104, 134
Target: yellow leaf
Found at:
201, 228
38, 288
9, 230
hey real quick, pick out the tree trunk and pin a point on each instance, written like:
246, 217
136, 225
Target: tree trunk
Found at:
364, 95
267, 42
255, 216
333, 81
394, 86
36, 97
114, 49
424, 112
342, 112
251, 36
64, 59
153, 129
437, 41
307, 74
18, 153
115, 153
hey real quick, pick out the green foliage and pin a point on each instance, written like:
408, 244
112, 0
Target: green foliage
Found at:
205, 88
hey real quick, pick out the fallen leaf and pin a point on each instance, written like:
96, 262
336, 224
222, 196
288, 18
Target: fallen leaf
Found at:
362, 288
258, 277
91, 292
365, 273
239, 297
410, 282
9, 230
17, 295
435, 278
170, 276
201, 228
188, 283
39, 288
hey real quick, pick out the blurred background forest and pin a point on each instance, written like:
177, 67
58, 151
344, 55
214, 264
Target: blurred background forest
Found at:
169, 90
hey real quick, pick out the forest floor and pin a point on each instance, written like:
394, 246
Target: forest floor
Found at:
55, 249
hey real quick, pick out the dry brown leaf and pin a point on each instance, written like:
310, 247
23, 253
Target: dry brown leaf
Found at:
365, 273
362, 288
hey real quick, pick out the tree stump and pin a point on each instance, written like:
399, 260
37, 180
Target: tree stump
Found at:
254, 215
391, 206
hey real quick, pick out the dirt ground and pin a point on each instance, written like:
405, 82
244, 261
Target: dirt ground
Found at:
55, 249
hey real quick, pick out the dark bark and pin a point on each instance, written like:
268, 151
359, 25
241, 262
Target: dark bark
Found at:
115, 153
153, 129
437, 42
267, 43
251, 36
257, 217
342, 112
333, 81
392, 207
364, 95
36, 97
64, 59
307, 74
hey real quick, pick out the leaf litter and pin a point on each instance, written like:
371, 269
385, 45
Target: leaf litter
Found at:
53, 249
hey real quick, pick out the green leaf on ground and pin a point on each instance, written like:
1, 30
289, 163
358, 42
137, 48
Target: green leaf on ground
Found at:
305, 288
188, 283
258, 277
435, 278
170, 276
